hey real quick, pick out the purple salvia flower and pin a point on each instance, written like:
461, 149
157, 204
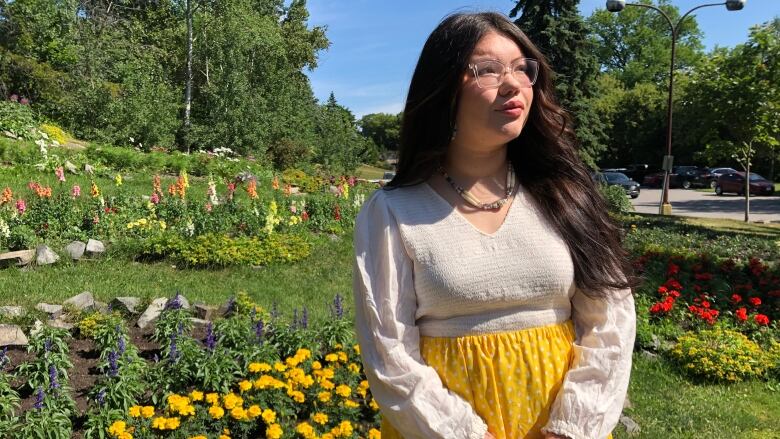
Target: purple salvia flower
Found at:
101, 397
174, 303
259, 330
47, 345
53, 384
39, 398
338, 306
211, 339
110, 307
121, 346
173, 354
253, 313
113, 366
295, 318
180, 328
4, 357
305, 318
231, 305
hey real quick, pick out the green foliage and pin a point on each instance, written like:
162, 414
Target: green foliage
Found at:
383, 129
99, 420
18, 119
307, 183
55, 133
616, 199
721, 355
212, 250
52, 421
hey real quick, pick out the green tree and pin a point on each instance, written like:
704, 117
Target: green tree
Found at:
340, 146
383, 129
635, 45
561, 34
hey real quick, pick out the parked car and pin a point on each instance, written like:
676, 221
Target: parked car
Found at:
735, 182
681, 176
715, 173
618, 179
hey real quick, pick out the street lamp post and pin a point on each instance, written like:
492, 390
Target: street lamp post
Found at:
665, 208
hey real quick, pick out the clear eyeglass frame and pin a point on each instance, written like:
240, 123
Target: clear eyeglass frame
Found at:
530, 72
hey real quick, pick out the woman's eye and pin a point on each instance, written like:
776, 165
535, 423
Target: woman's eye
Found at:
489, 70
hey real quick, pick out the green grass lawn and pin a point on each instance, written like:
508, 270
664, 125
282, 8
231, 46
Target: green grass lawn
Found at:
667, 405
370, 172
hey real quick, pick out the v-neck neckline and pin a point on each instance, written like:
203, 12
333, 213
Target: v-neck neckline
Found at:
461, 217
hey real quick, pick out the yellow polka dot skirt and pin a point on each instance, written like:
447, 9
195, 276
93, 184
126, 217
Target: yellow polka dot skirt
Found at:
511, 378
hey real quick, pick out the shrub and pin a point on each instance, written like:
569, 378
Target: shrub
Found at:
722, 355
222, 250
55, 133
616, 199
18, 119
306, 182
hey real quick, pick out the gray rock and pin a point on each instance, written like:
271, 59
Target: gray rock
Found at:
81, 301
11, 311
101, 307
44, 255
152, 312
61, 322
632, 428
89, 169
203, 311
12, 335
70, 167
95, 247
53, 311
649, 355
75, 249
22, 257
182, 301
199, 322
126, 304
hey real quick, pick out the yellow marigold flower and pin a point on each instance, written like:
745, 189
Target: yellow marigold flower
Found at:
305, 430
134, 411
346, 428
298, 397
342, 356
254, 411
291, 361
316, 365
338, 346
324, 396
354, 368
224, 436
274, 431
374, 434
244, 385
320, 418
216, 412
117, 427
196, 395
269, 416
199, 437
327, 384
328, 373
158, 423
356, 348
332, 358
147, 411
279, 367
238, 414
363, 384
187, 410
351, 404
303, 353
374, 406
172, 423
254, 367
212, 398
343, 390
125, 435
327, 436
231, 400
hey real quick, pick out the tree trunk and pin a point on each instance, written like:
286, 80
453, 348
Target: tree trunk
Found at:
188, 84
747, 183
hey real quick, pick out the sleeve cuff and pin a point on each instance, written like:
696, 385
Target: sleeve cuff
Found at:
562, 428
478, 428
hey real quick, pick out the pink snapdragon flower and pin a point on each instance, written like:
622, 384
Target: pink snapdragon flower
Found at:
60, 173
21, 206
75, 191
155, 198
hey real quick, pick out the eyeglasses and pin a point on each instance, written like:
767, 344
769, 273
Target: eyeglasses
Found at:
490, 74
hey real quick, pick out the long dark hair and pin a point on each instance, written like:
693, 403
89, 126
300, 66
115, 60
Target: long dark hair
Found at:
544, 155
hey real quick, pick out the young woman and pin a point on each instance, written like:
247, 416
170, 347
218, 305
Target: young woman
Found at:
492, 295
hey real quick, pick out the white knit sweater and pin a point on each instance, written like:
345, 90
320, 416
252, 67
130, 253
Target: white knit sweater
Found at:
422, 269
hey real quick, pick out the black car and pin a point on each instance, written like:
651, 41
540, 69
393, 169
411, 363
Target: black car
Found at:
618, 179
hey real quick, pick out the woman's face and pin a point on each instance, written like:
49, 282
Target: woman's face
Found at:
484, 116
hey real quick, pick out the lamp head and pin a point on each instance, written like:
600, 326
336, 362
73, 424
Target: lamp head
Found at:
735, 5
618, 5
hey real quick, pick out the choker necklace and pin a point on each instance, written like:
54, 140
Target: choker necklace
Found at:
473, 201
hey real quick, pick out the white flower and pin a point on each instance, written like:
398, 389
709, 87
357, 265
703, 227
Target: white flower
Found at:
5, 231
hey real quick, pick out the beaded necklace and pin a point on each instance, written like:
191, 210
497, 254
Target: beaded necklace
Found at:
472, 200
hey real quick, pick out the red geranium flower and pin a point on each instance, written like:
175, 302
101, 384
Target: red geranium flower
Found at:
741, 314
672, 269
736, 298
761, 319
755, 301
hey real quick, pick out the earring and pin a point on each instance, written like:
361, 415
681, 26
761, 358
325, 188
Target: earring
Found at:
454, 131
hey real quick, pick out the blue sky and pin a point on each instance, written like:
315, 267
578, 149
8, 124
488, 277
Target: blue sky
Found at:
375, 44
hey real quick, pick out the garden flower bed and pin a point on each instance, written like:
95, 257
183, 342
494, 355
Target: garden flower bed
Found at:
248, 374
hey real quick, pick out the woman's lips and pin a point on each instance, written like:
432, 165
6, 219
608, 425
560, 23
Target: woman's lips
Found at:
512, 112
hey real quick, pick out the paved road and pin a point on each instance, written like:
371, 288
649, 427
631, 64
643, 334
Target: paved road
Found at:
707, 204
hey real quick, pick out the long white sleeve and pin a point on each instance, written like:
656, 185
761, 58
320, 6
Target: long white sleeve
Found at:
589, 403
410, 394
